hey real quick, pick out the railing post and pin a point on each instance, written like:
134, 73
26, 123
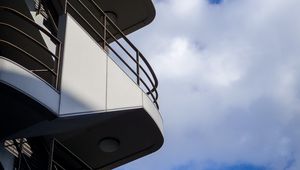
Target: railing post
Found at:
104, 31
50, 166
18, 147
58, 64
138, 67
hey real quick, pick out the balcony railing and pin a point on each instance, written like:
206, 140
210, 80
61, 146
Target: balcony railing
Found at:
141, 70
109, 32
54, 69
51, 155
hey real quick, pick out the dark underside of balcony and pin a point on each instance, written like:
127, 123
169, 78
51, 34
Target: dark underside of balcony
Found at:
18, 111
137, 133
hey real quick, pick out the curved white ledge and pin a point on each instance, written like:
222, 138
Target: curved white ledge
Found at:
29, 84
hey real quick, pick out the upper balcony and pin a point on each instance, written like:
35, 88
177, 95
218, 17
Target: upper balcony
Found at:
68, 70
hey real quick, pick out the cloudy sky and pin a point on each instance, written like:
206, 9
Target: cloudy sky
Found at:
229, 89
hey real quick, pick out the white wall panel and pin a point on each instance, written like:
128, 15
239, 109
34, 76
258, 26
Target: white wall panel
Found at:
122, 92
83, 73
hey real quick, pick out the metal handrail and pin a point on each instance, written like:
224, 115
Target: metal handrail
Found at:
27, 19
29, 55
53, 71
129, 43
31, 38
152, 79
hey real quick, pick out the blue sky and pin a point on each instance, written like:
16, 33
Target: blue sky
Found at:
215, 1
229, 84
215, 166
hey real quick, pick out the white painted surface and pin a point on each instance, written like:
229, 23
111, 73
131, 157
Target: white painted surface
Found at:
93, 83
18, 77
83, 87
122, 92
152, 111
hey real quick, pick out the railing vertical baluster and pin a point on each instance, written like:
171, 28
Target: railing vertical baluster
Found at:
50, 167
58, 48
104, 31
138, 67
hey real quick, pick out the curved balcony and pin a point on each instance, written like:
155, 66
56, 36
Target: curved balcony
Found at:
40, 60
21, 41
104, 30
80, 96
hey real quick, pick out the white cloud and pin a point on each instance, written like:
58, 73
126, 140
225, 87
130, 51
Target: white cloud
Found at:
178, 59
185, 8
229, 82
181, 59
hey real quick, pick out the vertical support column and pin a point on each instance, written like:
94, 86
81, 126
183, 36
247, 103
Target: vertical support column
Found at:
58, 54
104, 31
19, 150
60, 47
51, 155
138, 67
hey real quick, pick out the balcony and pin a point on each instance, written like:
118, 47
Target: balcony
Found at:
83, 82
